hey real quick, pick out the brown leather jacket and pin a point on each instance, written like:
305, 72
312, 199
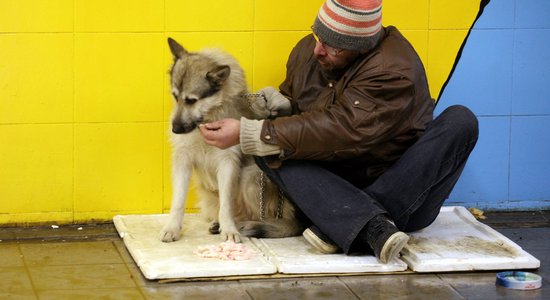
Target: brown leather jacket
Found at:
366, 118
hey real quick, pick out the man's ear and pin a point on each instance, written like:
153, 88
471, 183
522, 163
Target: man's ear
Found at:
177, 50
218, 75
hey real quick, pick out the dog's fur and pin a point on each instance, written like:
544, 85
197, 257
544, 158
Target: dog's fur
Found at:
209, 85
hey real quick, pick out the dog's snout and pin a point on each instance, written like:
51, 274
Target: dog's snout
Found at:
189, 100
179, 127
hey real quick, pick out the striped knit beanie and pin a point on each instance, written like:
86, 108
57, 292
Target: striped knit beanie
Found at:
349, 24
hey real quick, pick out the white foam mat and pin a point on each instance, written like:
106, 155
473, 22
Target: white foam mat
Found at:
158, 260
456, 241
295, 256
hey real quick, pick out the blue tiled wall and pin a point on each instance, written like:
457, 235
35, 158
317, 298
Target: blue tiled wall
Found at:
504, 77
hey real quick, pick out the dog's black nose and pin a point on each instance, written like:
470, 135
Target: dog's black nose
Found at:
178, 128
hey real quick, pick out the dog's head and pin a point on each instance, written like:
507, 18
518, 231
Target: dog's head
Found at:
196, 81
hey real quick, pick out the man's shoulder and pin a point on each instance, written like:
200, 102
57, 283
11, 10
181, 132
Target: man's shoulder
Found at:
394, 40
394, 52
307, 41
305, 45
302, 51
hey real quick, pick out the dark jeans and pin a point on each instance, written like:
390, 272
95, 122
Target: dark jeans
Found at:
411, 192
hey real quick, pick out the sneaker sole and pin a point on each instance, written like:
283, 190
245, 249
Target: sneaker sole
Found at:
318, 243
393, 246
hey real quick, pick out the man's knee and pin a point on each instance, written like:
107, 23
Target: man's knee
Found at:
461, 121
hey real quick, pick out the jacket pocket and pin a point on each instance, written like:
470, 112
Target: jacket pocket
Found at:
363, 104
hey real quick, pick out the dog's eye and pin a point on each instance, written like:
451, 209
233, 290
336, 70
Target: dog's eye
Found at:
190, 100
175, 95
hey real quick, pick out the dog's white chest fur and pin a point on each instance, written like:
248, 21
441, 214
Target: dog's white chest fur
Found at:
205, 159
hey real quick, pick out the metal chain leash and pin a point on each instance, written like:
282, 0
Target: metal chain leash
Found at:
280, 204
253, 97
261, 183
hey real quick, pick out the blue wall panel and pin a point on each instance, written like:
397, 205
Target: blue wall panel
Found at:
483, 78
484, 181
530, 158
532, 13
531, 88
498, 14
504, 77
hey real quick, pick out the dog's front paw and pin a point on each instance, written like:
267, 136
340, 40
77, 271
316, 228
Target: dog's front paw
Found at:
170, 233
230, 235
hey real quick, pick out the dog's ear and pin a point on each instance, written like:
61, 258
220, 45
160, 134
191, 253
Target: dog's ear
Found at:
218, 75
177, 50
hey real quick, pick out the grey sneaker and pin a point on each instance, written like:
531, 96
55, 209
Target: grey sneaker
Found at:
385, 239
320, 241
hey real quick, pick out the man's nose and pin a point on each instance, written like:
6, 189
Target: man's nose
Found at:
319, 50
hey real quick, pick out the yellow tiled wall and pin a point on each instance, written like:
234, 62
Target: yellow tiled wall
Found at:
84, 103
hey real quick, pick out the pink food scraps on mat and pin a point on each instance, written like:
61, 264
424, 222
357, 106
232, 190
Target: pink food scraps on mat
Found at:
225, 251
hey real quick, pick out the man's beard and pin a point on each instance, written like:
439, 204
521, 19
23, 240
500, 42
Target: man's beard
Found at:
330, 72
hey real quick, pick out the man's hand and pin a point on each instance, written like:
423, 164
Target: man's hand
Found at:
222, 134
277, 104
259, 107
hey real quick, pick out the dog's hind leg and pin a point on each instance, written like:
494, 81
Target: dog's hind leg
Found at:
214, 228
181, 176
210, 207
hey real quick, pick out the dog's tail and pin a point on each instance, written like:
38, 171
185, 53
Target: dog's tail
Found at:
271, 228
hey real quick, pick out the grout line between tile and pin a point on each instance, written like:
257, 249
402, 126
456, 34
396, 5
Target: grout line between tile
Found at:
27, 270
